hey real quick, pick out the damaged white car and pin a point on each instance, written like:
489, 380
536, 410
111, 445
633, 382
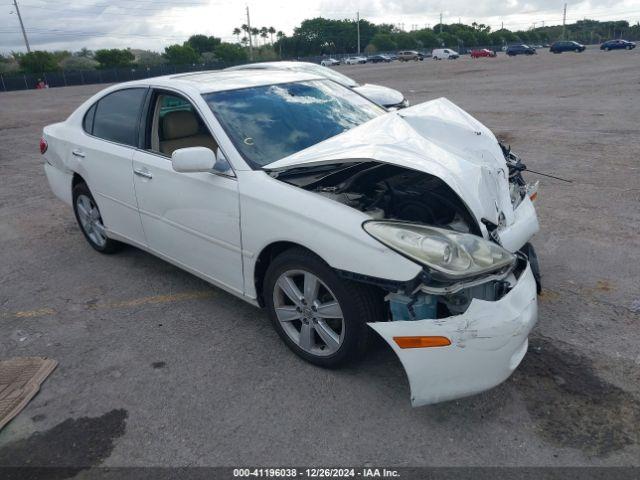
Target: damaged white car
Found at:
299, 195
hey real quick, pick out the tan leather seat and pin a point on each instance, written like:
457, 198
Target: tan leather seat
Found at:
180, 130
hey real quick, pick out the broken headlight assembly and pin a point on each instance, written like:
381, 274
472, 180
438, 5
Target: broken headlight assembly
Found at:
448, 254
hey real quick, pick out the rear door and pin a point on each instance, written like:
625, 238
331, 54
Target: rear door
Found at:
104, 154
189, 218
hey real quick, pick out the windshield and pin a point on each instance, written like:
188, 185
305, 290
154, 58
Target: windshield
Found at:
329, 73
271, 122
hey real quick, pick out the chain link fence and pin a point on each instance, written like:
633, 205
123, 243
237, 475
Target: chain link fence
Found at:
64, 78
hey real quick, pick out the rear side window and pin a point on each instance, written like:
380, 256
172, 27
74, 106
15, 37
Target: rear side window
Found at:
87, 123
117, 116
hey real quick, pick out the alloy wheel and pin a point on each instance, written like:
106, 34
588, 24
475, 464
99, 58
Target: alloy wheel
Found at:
90, 220
309, 312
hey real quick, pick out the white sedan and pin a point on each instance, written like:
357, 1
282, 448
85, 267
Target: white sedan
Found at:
329, 62
340, 218
355, 60
383, 96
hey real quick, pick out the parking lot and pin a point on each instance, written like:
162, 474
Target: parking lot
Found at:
156, 367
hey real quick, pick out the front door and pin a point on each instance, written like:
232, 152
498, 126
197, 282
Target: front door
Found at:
190, 218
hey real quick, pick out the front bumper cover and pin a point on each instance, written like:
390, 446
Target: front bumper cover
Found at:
488, 342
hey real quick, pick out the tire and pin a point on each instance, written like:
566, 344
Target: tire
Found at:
358, 304
90, 222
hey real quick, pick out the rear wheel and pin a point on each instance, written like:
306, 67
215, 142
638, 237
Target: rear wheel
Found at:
90, 220
320, 316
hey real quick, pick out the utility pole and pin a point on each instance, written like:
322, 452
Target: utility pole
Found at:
249, 33
24, 33
564, 21
440, 22
358, 27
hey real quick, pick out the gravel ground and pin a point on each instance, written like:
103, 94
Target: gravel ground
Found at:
158, 368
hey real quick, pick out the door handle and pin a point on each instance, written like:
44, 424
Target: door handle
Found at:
78, 153
143, 172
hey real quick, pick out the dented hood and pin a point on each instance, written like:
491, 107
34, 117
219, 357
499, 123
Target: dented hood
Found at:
435, 137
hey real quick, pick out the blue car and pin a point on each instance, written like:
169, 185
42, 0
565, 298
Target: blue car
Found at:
617, 45
520, 49
566, 46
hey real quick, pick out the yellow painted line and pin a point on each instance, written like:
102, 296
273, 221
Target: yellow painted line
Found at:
176, 297
41, 312
136, 302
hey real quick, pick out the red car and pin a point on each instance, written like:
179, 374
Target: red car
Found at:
484, 52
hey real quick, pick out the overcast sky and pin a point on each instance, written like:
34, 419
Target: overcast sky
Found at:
153, 24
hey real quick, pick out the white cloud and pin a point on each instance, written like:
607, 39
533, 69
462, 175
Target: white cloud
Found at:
153, 24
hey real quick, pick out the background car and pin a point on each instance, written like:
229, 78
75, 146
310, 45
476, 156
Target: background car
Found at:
444, 54
483, 52
520, 49
379, 59
618, 44
566, 46
355, 60
383, 96
329, 62
408, 55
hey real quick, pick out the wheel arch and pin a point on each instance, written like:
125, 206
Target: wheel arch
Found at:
77, 179
264, 259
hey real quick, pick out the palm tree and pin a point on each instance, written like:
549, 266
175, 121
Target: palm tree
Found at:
254, 34
244, 41
237, 32
271, 32
264, 33
280, 35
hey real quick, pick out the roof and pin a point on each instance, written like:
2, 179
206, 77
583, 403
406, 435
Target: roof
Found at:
218, 80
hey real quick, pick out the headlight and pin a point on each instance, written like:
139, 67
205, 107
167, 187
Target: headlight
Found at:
454, 255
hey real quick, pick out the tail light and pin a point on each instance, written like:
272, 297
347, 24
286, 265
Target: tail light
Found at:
43, 145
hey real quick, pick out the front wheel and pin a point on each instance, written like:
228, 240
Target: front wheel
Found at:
320, 316
90, 220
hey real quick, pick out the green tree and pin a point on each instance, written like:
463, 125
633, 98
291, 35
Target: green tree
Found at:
426, 38
383, 42
202, 43
147, 58
84, 52
181, 54
237, 32
271, 31
114, 57
78, 63
405, 40
38, 61
230, 53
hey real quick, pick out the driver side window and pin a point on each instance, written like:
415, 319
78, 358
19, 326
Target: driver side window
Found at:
175, 123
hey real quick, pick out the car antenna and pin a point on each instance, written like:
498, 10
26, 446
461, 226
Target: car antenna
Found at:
547, 175
539, 173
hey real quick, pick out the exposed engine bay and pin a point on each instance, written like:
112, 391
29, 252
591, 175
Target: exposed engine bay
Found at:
391, 192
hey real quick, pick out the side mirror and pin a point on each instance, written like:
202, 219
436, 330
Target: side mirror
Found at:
193, 159
222, 165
